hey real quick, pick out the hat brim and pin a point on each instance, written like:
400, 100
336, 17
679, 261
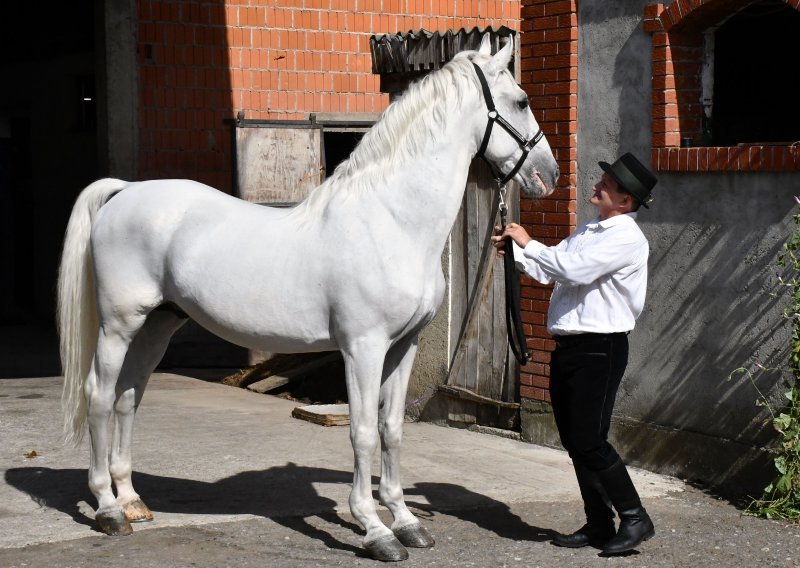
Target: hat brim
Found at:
610, 171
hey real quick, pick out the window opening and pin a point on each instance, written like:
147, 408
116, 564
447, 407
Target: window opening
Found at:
754, 100
338, 146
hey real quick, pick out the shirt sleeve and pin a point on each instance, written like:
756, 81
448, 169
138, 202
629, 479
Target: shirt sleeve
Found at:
528, 265
608, 253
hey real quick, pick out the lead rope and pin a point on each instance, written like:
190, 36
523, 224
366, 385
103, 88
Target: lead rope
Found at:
516, 334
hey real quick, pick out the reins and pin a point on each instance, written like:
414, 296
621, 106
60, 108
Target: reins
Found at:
516, 333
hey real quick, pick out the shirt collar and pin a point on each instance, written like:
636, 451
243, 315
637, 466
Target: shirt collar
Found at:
623, 219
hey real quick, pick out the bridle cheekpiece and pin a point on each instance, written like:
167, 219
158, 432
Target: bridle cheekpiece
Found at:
525, 144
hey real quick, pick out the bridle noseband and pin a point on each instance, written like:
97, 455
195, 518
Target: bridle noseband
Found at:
525, 145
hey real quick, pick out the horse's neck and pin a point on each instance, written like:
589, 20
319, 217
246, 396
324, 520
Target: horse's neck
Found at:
428, 193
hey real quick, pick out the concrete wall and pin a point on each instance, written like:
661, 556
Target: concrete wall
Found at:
714, 238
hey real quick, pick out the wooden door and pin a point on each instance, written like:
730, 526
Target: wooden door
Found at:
482, 382
278, 163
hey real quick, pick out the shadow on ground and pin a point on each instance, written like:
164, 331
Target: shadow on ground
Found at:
286, 494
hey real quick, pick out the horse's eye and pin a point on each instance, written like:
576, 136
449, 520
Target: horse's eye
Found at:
523, 103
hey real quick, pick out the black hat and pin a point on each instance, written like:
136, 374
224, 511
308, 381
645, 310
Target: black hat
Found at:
632, 176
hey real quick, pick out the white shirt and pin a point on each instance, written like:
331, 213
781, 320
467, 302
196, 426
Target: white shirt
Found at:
600, 275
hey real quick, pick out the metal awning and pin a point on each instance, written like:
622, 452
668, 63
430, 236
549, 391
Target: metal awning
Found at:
423, 50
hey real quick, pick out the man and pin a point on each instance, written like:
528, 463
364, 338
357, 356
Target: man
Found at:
600, 275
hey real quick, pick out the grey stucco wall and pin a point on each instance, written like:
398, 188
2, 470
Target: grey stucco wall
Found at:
714, 239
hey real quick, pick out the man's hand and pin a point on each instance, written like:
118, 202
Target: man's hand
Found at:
512, 231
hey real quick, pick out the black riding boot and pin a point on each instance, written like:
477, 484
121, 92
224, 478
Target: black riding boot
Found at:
635, 525
599, 527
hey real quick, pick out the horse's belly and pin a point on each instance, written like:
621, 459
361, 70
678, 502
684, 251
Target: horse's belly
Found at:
255, 327
257, 305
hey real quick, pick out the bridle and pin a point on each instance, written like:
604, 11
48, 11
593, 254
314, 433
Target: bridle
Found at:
525, 145
516, 334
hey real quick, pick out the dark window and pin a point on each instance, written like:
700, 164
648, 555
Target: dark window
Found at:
338, 147
755, 68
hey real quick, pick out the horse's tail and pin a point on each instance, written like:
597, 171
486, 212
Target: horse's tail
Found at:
77, 310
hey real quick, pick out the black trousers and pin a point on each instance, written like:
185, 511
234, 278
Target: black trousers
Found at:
585, 373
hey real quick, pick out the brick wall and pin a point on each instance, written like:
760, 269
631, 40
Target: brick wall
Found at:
550, 76
677, 32
201, 62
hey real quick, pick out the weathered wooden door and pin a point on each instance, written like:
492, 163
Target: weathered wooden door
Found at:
482, 383
278, 163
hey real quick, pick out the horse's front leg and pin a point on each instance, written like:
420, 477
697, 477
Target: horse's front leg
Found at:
397, 371
364, 362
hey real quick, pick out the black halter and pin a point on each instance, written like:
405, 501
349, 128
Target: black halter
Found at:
525, 145
516, 333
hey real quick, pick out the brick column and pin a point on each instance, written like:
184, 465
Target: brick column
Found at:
549, 62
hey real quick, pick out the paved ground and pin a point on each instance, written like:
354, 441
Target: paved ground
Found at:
235, 481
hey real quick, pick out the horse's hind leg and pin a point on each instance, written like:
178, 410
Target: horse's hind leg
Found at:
397, 371
144, 353
114, 337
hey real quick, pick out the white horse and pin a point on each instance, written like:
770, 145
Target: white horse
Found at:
354, 267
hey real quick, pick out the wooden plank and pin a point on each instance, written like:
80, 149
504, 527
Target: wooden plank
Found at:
462, 393
458, 411
278, 164
485, 332
470, 379
269, 384
459, 292
499, 341
510, 382
324, 414
280, 379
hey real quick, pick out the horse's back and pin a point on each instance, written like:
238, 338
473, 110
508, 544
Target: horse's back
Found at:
160, 210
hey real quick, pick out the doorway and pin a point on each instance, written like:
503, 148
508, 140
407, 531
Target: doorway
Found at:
48, 153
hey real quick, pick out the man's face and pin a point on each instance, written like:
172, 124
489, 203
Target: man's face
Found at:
608, 199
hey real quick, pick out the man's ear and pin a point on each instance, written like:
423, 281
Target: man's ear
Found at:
628, 202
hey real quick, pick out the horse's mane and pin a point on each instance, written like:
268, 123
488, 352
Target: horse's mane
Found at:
402, 134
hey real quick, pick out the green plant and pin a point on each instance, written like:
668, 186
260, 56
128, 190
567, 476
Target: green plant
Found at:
781, 498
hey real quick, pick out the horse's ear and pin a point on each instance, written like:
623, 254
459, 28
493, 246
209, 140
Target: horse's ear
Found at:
486, 45
501, 58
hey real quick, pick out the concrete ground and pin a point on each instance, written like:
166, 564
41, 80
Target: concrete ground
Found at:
234, 480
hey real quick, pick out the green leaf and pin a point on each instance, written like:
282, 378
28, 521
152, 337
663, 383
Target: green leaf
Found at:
784, 485
782, 421
780, 465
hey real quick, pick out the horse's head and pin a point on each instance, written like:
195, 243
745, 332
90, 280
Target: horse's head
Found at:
515, 145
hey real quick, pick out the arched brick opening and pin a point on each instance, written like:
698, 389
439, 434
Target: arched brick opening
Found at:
678, 107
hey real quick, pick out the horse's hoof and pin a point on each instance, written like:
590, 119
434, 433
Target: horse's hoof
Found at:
386, 549
137, 512
114, 523
414, 536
